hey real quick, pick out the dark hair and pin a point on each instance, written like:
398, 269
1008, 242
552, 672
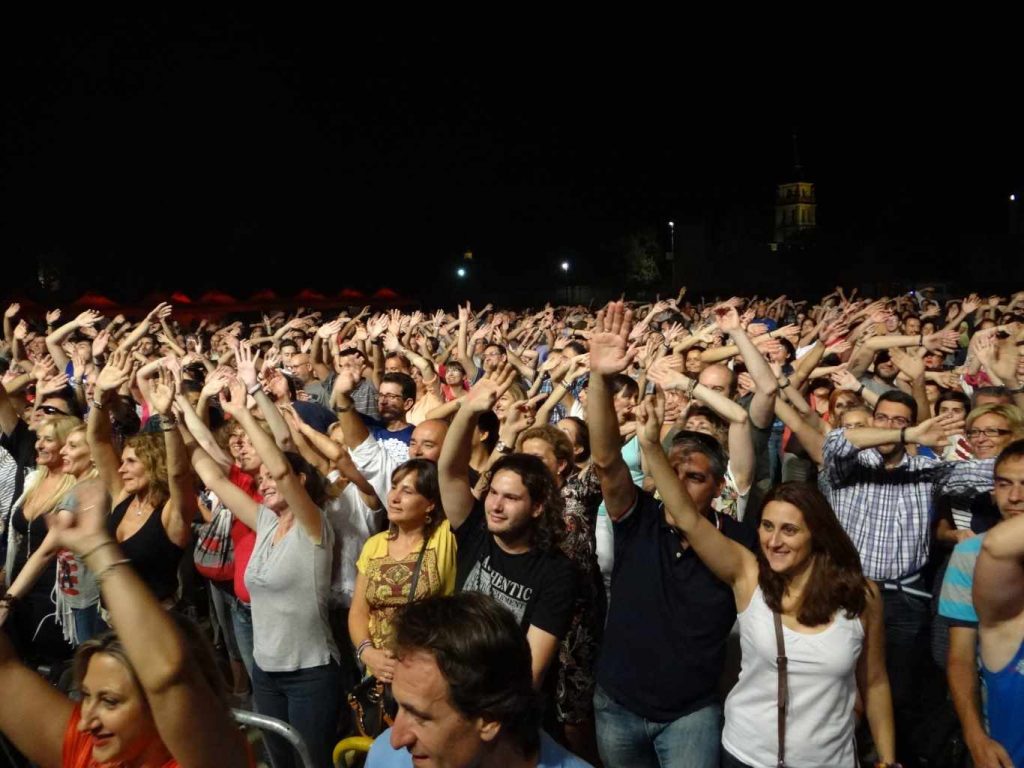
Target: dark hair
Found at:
500, 347
288, 343
403, 380
549, 528
484, 657
994, 391
488, 424
948, 395
710, 414
896, 396
575, 346
621, 382
398, 356
315, 484
427, 486
350, 351
584, 433
68, 396
455, 365
837, 580
688, 442
1014, 450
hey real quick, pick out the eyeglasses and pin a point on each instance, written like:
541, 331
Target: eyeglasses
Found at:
49, 410
383, 396
896, 421
990, 432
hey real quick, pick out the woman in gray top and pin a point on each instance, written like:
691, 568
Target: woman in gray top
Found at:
296, 675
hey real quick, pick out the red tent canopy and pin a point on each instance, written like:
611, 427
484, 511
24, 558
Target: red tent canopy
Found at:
352, 293
266, 295
307, 295
180, 298
386, 294
216, 297
94, 300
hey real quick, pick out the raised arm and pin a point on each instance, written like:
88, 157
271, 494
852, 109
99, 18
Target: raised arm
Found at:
352, 424
728, 560
160, 310
453, 463
289, 485
194, 724
246, 360
181, 507
114, 375
241, 504
762, 406
56, 338
999, 577
609, 355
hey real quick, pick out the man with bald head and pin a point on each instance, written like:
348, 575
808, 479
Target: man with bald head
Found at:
372, 459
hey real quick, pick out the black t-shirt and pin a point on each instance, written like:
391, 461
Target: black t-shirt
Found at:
664, 642
538, 587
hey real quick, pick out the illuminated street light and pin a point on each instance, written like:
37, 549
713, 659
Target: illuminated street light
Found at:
565, 266
1013, 198
461, 272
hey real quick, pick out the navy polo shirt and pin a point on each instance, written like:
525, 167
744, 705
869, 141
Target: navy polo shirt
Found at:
664, 643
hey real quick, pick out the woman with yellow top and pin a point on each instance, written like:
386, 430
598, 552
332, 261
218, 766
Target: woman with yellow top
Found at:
388, 563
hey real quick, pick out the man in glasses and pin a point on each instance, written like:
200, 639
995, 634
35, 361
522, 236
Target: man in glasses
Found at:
883, 496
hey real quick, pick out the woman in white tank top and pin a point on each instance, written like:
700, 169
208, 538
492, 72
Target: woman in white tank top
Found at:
808, 571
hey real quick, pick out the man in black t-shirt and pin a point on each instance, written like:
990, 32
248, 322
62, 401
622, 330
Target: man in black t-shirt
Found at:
508, 541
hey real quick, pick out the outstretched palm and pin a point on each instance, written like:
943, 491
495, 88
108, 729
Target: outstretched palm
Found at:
609, 347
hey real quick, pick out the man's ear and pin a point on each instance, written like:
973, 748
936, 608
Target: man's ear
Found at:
488, 730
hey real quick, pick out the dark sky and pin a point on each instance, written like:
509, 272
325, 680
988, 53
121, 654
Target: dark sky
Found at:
238, 152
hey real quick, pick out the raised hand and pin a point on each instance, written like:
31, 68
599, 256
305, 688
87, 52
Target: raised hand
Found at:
391, 342
345, 381
667, 374
912, 366
376, 326
520, 416
485, 393
115, 373
160, 312
942, 341
52, 316
609, 346
52, 384
270, 361
936, 431
99, 344
42, 368
650, 416
843, 379
161, 392
727, 318
970, 304
21, 330
216, 381
233, 397
12, 310
88, 318
327, 330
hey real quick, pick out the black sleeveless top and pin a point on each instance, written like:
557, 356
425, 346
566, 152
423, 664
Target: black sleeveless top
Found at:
154, 556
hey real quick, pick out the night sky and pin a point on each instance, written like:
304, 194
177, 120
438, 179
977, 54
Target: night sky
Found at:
239, 152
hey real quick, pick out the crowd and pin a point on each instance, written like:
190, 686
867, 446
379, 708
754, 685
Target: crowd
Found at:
753, 532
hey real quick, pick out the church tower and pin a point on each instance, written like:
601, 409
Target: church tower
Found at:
795, 205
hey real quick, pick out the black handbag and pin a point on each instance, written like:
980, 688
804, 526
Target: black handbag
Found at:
373, 707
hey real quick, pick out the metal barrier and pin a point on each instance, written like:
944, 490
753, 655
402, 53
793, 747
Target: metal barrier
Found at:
278, 728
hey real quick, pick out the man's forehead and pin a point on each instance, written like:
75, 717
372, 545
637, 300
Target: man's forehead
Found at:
419, 684
1011, 469
890, 408
429, 430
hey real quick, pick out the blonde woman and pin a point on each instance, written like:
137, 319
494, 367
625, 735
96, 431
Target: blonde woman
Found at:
78, 595
36, 635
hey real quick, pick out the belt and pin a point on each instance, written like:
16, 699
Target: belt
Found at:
905, 585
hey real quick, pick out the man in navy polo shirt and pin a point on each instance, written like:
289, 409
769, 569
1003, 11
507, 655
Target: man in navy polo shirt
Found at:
656, 701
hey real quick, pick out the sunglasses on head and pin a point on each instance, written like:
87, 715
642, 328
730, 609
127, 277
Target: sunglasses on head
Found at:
50, 410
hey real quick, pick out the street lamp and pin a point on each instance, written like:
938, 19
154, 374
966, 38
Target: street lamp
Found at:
671, 255
1013, 198
461, 271
565, 266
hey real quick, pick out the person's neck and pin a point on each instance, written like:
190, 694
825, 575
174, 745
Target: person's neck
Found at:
894, 458
407, 534
479, 456
505, 755
796, 586
396, 424
518, 545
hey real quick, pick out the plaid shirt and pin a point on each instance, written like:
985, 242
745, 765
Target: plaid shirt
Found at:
887, 512
559, 412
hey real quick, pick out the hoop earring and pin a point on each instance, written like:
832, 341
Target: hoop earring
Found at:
427, 519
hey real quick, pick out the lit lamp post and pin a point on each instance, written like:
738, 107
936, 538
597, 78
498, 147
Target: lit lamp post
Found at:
670, 256
568, 287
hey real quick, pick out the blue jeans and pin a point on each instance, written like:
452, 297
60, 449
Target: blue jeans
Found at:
627, 739
87, 622
241, 623
307, 699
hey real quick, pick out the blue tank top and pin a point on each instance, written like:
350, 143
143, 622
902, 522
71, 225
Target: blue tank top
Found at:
1005, 697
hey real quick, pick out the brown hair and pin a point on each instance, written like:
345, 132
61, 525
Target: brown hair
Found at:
559, 441
836, 580
426, 485
197, 647
549, 528
150, 451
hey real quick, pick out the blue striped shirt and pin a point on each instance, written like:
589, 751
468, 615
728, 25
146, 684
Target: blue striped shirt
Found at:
955, 601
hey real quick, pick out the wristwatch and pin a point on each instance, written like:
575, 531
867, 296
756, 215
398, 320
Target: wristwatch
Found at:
502, 448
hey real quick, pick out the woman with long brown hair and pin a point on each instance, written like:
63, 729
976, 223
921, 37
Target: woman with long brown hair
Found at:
806, 580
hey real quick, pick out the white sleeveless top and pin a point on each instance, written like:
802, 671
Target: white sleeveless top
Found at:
822, 688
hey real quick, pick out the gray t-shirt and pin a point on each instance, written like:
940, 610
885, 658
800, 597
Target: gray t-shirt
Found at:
290, 585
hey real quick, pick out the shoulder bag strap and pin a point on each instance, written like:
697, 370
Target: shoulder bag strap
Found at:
781, 660
416, 571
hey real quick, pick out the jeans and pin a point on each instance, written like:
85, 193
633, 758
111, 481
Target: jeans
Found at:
627, 739
241, 623
222, 613
917, 686
87, 622
728, 761
307, 699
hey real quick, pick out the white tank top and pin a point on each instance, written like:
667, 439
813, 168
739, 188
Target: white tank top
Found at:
822, 688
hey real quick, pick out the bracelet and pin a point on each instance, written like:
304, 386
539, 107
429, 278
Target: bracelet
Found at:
333, 476
920, 341
784, 382
96, 549
8, 599
362, 647
690, 387
103, 574
97, 404
254, 389
343, 408
903, 436
566, 383
170, 421
860, 391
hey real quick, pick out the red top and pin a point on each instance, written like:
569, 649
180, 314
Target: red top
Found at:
77, 750
242, 536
